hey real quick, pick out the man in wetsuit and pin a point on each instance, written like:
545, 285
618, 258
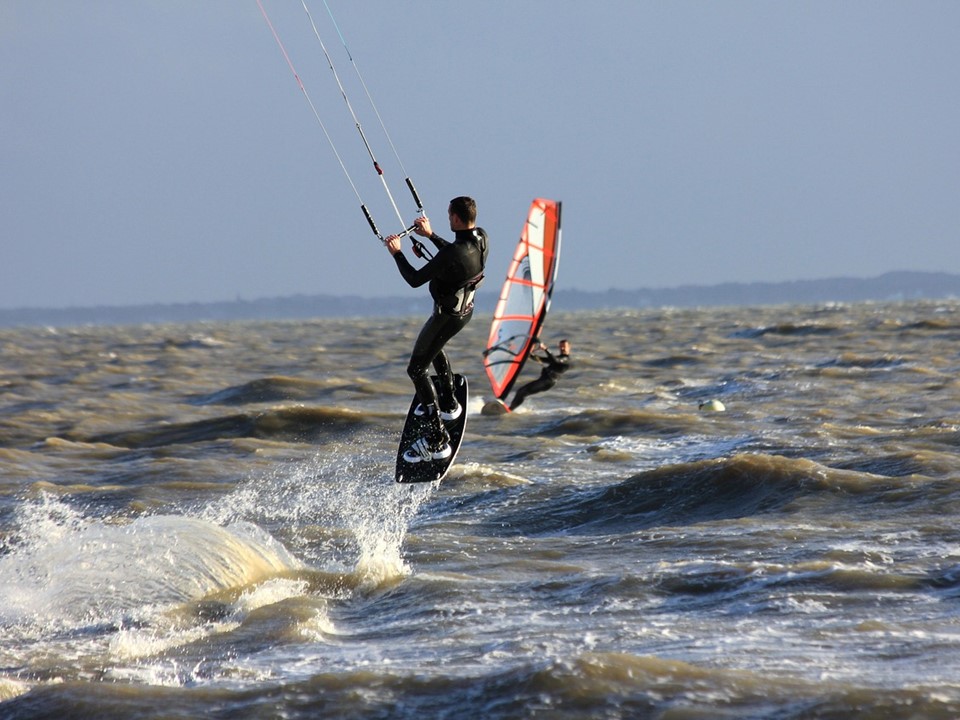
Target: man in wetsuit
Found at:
454, 274
554, 367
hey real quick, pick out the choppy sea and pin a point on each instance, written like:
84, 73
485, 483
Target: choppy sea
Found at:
201, 521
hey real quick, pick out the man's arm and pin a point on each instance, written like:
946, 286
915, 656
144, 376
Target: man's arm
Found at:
414, 277
422, 227
533, 354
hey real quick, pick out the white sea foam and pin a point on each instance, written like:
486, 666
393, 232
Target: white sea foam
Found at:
75, 569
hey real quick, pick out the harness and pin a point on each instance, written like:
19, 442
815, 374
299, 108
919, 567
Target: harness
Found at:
465, 297
465, 293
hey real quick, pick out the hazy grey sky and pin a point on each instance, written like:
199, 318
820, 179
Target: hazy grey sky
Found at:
162, 152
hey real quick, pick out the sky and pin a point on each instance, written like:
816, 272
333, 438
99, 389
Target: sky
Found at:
161, 151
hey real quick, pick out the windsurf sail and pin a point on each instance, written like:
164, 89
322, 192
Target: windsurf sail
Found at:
525, 296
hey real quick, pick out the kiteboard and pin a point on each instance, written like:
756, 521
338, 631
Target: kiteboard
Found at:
412, 429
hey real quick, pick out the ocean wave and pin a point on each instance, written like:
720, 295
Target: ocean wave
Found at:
480, 475
606, 423
592, 684
83, 571
293, 424
947, 581
903, 463
788, 329
710, 490
686, 493
753, 582
193, 342
274, 389
863, 362
937, 324
672, 361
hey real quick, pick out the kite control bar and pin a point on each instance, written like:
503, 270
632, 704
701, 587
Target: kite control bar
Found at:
416, 198
376, 231
419, 248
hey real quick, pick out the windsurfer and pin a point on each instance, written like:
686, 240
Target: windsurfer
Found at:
454, 274
554, 367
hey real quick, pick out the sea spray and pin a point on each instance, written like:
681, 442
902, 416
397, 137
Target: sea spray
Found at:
314, 505
27, 565
382, 527
120, 589
97, 571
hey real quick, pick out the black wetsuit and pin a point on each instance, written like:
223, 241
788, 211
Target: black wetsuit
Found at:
454, 274
554, 367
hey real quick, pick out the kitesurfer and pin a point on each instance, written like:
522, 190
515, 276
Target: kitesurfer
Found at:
554, 367
454, 274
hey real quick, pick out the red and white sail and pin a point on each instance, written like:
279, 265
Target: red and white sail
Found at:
525, 296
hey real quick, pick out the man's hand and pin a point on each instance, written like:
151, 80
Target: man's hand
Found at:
421, 226
393, 244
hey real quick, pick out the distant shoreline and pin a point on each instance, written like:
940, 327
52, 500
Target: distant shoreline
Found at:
891, 286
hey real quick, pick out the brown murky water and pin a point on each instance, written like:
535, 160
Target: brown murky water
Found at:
201, 520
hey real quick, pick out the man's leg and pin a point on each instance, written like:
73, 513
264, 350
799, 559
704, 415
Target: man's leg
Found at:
428, 349
531, 388
441, 363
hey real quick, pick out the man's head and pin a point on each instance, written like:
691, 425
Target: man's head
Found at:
564, 346
463, 213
